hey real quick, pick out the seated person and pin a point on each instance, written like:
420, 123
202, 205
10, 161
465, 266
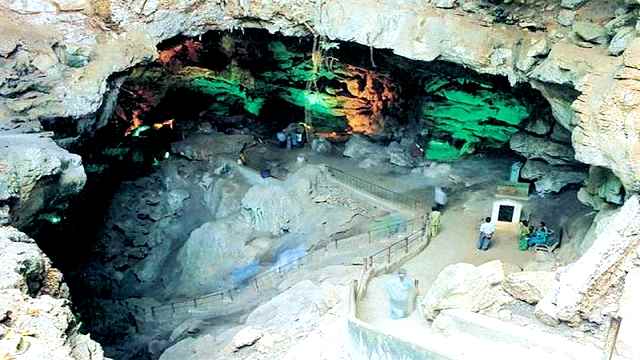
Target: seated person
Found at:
541, 236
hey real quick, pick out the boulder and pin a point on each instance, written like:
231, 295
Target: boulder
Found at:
189, 327
529, 286
601, 187
538, 50
247, 336
464, 286
590, 32
218, 242
360, 147
398, 155
566, 17
560, 134
533, 147
539, 126
572, 4
445, 4
36, 176
626, 19
272, 208
321, 145
621, 40
549, 178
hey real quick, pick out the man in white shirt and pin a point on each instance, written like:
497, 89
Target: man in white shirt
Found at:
440, 197
486, 232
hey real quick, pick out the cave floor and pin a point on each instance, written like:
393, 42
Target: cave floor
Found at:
471, 185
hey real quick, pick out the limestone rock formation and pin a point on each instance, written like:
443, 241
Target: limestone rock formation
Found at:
467, 287
529, 286
601, 188
539, 148
590, 32
303, 321
321, 145
36, 178
221, 243
77, 68
550, 178
621, 40
583, 283
359, 147
605, 122
35, 315
627, 345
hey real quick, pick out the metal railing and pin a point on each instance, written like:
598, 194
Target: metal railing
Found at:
398, 249
265, 281
270, 279
378, 191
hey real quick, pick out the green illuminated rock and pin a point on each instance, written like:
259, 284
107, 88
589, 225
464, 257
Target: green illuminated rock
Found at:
468, 114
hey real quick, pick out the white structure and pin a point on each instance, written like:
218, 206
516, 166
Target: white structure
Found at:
506, 210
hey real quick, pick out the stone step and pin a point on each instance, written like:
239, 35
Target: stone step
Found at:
486, 337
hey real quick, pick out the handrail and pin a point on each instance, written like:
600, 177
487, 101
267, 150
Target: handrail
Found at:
377, 190
260, 281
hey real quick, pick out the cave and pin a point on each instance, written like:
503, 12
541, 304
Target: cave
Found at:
162, 168
301, 179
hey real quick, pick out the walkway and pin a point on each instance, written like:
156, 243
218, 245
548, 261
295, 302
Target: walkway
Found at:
455, 243
346, 251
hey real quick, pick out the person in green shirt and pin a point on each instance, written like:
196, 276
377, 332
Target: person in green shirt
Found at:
524, 232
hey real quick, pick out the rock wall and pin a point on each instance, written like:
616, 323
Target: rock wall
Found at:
37, 178
583, 287
35, 312
58, 66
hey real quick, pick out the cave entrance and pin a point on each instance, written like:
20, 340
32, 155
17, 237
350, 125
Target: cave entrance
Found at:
169, 200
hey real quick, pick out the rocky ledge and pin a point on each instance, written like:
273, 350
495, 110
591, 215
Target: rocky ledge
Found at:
36, 321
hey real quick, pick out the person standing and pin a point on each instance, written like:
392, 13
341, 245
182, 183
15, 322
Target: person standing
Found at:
523, 234
435, 223
401, 291
440, 198
486, 233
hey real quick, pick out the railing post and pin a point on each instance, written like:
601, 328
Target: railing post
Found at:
336, 242
366, 263
389, 255
406, 245
370, 239
255, 283
195, 302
